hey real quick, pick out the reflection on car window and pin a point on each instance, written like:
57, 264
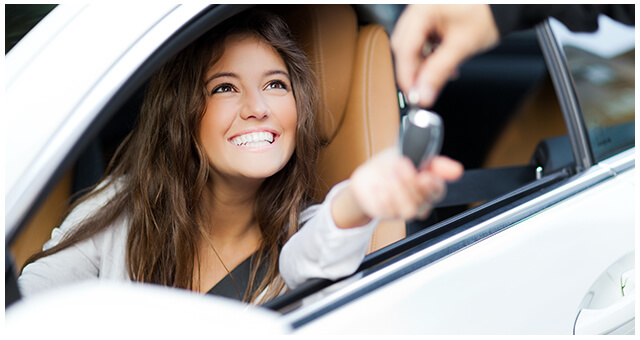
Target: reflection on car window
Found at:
19, 20
603, 69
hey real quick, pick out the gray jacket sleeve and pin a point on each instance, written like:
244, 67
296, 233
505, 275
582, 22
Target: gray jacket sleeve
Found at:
322, 250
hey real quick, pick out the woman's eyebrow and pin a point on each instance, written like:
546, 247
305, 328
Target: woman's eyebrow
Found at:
272, 72
221, 74
233, 75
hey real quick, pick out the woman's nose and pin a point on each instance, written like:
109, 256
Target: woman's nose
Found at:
254, 106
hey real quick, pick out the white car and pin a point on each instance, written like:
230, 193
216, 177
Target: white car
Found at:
536, 238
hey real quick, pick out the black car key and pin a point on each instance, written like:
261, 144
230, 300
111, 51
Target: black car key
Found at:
421, 135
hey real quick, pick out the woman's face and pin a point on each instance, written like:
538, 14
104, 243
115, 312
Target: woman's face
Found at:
249, 126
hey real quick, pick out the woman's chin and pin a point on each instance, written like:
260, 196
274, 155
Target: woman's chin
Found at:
260, 173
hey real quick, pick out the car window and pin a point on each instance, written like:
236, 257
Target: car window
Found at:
503, 122
20, 19
603, 69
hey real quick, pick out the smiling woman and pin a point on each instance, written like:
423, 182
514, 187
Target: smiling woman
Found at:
176, 206
249, 126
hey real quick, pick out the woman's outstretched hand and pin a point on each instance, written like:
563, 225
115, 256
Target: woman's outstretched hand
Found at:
388, 186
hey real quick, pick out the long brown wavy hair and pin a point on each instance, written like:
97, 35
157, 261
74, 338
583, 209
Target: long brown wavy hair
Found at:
161, 168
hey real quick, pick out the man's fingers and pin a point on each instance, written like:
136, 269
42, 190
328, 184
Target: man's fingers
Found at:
438, 68
408, 37
464, 30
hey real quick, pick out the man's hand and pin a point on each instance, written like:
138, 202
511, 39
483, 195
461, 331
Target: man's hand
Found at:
462, 31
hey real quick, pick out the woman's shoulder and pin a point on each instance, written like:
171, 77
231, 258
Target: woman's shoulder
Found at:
96, 199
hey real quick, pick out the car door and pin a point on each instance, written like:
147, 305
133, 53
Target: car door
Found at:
530, 260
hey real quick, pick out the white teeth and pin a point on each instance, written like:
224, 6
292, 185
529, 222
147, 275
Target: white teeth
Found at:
254, 139
256, 144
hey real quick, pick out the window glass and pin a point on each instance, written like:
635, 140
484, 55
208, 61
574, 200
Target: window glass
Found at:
603, 70
502, 121
19, 20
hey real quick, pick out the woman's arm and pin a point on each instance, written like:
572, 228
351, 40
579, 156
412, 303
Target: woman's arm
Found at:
73, 264
320, 249
334, 239
100, 255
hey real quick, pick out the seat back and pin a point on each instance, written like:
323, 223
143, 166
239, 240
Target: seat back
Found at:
359, 113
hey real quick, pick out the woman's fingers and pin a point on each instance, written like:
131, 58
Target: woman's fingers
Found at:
445, 167
389, 186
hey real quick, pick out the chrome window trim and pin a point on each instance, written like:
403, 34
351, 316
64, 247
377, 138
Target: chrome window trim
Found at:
360, 284
567, 97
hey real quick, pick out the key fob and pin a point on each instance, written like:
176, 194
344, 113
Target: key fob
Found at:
421, 136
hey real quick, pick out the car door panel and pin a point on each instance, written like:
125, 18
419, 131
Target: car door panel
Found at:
528, 279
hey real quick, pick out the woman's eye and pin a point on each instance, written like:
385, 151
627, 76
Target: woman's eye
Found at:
277, 84
223, 88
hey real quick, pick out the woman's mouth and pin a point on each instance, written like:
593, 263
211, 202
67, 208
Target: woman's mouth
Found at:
253, 139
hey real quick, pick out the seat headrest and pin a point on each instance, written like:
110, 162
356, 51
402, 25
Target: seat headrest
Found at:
328, 35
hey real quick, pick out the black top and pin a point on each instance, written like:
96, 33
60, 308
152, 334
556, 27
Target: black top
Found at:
578, 18
240, 274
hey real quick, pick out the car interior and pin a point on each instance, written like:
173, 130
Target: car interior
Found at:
501, 117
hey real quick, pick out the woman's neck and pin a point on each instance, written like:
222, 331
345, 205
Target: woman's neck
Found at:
234, 233
231, 204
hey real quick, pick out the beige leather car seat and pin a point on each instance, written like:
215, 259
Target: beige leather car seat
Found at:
38, 230
359, 113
